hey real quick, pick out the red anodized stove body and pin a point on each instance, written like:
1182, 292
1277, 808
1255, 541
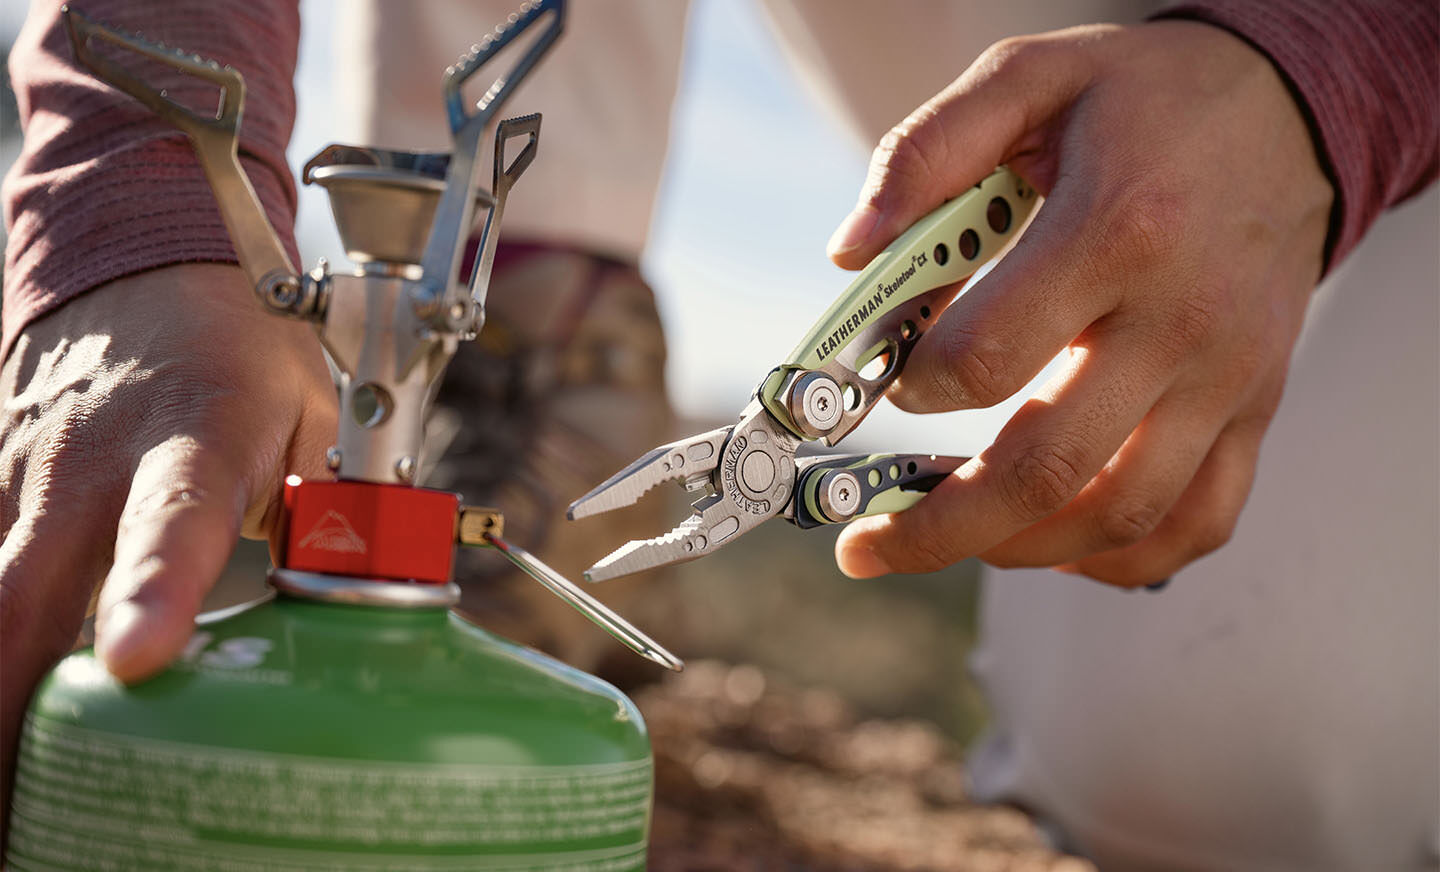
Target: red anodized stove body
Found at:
368, 530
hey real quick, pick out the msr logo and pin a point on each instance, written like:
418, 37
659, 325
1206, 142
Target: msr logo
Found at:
333, 533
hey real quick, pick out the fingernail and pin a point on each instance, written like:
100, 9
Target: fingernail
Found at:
860, 562
854, 230
120, 633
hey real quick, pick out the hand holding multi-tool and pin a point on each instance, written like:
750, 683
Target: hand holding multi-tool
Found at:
825, 387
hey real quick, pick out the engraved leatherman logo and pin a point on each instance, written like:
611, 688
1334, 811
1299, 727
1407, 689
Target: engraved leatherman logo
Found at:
333, 533
872, 304
729, 470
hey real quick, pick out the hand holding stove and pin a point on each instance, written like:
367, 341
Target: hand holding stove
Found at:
390, 330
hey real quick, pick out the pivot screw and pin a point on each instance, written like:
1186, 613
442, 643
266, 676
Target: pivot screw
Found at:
757, 471
839, 495
815, 403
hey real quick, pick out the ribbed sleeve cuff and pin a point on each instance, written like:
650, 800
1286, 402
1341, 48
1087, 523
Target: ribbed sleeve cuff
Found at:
1367, 75
135, 209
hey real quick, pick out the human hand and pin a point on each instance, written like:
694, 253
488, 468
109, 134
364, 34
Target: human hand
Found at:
169, 406
1174, 255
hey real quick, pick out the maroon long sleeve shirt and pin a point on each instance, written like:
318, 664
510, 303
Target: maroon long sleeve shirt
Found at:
82, 207
103, 188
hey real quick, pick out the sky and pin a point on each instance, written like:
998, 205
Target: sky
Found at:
737, 250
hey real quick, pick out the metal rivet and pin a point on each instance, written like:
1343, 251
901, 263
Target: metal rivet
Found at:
405, 469
815, 403
839, 495
757, 470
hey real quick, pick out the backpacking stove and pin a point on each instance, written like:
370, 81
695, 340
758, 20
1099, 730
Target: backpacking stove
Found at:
372, 535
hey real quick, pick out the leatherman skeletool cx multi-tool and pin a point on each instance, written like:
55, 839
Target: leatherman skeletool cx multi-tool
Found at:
825, 387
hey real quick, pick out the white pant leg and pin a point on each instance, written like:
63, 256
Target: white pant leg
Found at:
1276, 706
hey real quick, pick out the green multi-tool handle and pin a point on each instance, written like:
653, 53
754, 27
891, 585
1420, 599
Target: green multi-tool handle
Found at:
838, 489
857, 349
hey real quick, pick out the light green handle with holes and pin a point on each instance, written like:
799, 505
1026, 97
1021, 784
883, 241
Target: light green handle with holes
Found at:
883, 483
896, 298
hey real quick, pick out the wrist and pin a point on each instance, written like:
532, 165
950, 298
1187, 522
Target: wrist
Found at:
142, 207
1366, 85
1270, 126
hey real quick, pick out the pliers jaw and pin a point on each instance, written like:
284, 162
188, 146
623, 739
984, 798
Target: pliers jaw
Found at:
747, 469
690, 461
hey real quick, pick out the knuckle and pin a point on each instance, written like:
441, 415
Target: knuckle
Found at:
1014, 51
1154, 221
1042, 479
1127, 520
1197, 318
930, 552
84, 448
898, 156
160, 503
910, 150
925, 543
1139, 227
977, 371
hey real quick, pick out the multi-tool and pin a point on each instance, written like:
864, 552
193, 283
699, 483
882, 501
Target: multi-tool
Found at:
750, 472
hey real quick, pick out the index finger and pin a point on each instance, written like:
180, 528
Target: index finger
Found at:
997, 335
956, 138
177, 530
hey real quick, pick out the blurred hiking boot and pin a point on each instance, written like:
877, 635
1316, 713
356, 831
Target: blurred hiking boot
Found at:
565, 384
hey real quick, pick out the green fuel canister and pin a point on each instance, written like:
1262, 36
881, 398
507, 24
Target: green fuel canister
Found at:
301, 734
352, 721
344, 723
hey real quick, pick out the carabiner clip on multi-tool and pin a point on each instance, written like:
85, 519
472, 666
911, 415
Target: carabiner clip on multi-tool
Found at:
749, 471
390, 328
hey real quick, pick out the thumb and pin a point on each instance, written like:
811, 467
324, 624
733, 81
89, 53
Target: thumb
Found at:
959, 136
177, 530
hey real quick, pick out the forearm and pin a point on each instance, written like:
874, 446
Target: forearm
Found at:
1367, 75
103, 188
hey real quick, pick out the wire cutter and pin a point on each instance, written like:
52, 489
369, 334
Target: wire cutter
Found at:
749, 472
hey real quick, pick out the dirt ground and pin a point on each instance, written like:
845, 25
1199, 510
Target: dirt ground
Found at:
755, 774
